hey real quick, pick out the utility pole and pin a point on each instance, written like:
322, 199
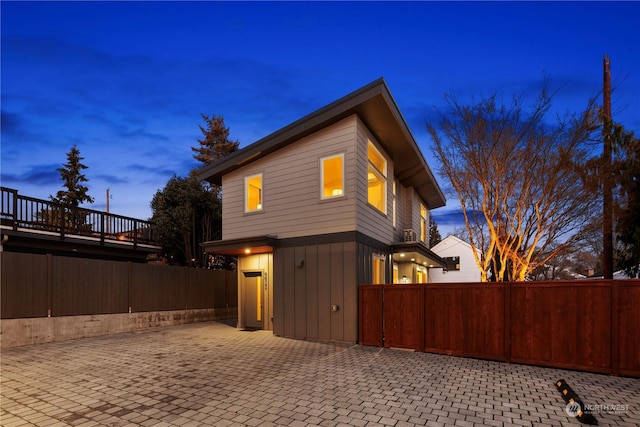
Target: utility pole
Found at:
607, 185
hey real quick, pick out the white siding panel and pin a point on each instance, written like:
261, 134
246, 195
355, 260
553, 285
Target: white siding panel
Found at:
451, 246
291, 189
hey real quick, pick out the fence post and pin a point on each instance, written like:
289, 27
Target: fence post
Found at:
102, 227
185, 278
129, 285
49, 296
615, 327
15, 210
135, 234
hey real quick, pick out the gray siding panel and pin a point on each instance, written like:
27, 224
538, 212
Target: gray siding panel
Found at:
337, 290
324, 291
289, 291
291, 189
311, 271
350, 303
300, 294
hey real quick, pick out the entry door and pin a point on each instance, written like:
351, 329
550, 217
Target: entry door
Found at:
252, 299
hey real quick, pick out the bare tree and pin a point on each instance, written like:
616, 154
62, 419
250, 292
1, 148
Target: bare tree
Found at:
518, 179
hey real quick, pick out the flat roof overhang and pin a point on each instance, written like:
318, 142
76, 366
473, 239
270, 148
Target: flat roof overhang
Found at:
415, 252
244, 246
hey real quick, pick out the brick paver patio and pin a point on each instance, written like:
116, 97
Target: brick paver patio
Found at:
210, 374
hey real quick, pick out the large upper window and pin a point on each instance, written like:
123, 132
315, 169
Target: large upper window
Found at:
377, 179
332, 176
253, 193
424, 223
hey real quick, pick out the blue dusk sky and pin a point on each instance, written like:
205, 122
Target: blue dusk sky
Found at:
127, 81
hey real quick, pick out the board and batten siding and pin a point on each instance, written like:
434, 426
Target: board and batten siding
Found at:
371, 221
292, 206
305, 291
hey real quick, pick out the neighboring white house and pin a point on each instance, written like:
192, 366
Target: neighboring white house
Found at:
462, 265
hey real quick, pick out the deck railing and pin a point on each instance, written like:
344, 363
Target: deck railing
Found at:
22, 212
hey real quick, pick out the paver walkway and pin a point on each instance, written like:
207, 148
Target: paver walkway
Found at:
210, 374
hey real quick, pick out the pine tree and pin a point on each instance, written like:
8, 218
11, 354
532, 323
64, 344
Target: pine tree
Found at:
71, 173
216, 144
434, 233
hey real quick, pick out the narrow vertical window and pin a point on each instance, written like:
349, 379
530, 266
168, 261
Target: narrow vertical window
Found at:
393, 205
253, 193
424, 224
332, 176
378, 269
377, 179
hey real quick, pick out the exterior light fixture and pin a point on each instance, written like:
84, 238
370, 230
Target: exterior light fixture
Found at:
247, 251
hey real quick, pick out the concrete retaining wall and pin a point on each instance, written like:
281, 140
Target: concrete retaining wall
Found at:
19, 332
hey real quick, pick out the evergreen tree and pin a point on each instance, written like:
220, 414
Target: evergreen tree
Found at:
216, 144
434, 233
71, 173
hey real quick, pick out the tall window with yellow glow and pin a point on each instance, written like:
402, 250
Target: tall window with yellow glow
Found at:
332, 176
377, 179
253, 193
424, 224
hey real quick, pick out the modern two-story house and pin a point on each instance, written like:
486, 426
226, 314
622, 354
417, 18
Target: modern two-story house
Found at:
336, 199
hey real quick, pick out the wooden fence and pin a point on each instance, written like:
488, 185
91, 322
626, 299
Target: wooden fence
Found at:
35, 285
591, 325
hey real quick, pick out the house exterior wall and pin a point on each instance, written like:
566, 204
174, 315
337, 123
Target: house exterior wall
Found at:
451, 246
292, 206
314, 273
304, 294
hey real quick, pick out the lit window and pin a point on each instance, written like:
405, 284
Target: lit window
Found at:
378, 269
424, 225
421, 275
377, 179
393, 206
253, 193
332, 176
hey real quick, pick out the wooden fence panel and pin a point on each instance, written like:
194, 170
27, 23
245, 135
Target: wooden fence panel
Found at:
200, 290
403, 311
207, 288
158, 288
23, 290
88, 286
40, 285
484, 321
370, 317
562, 324
444, 319
629, 328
